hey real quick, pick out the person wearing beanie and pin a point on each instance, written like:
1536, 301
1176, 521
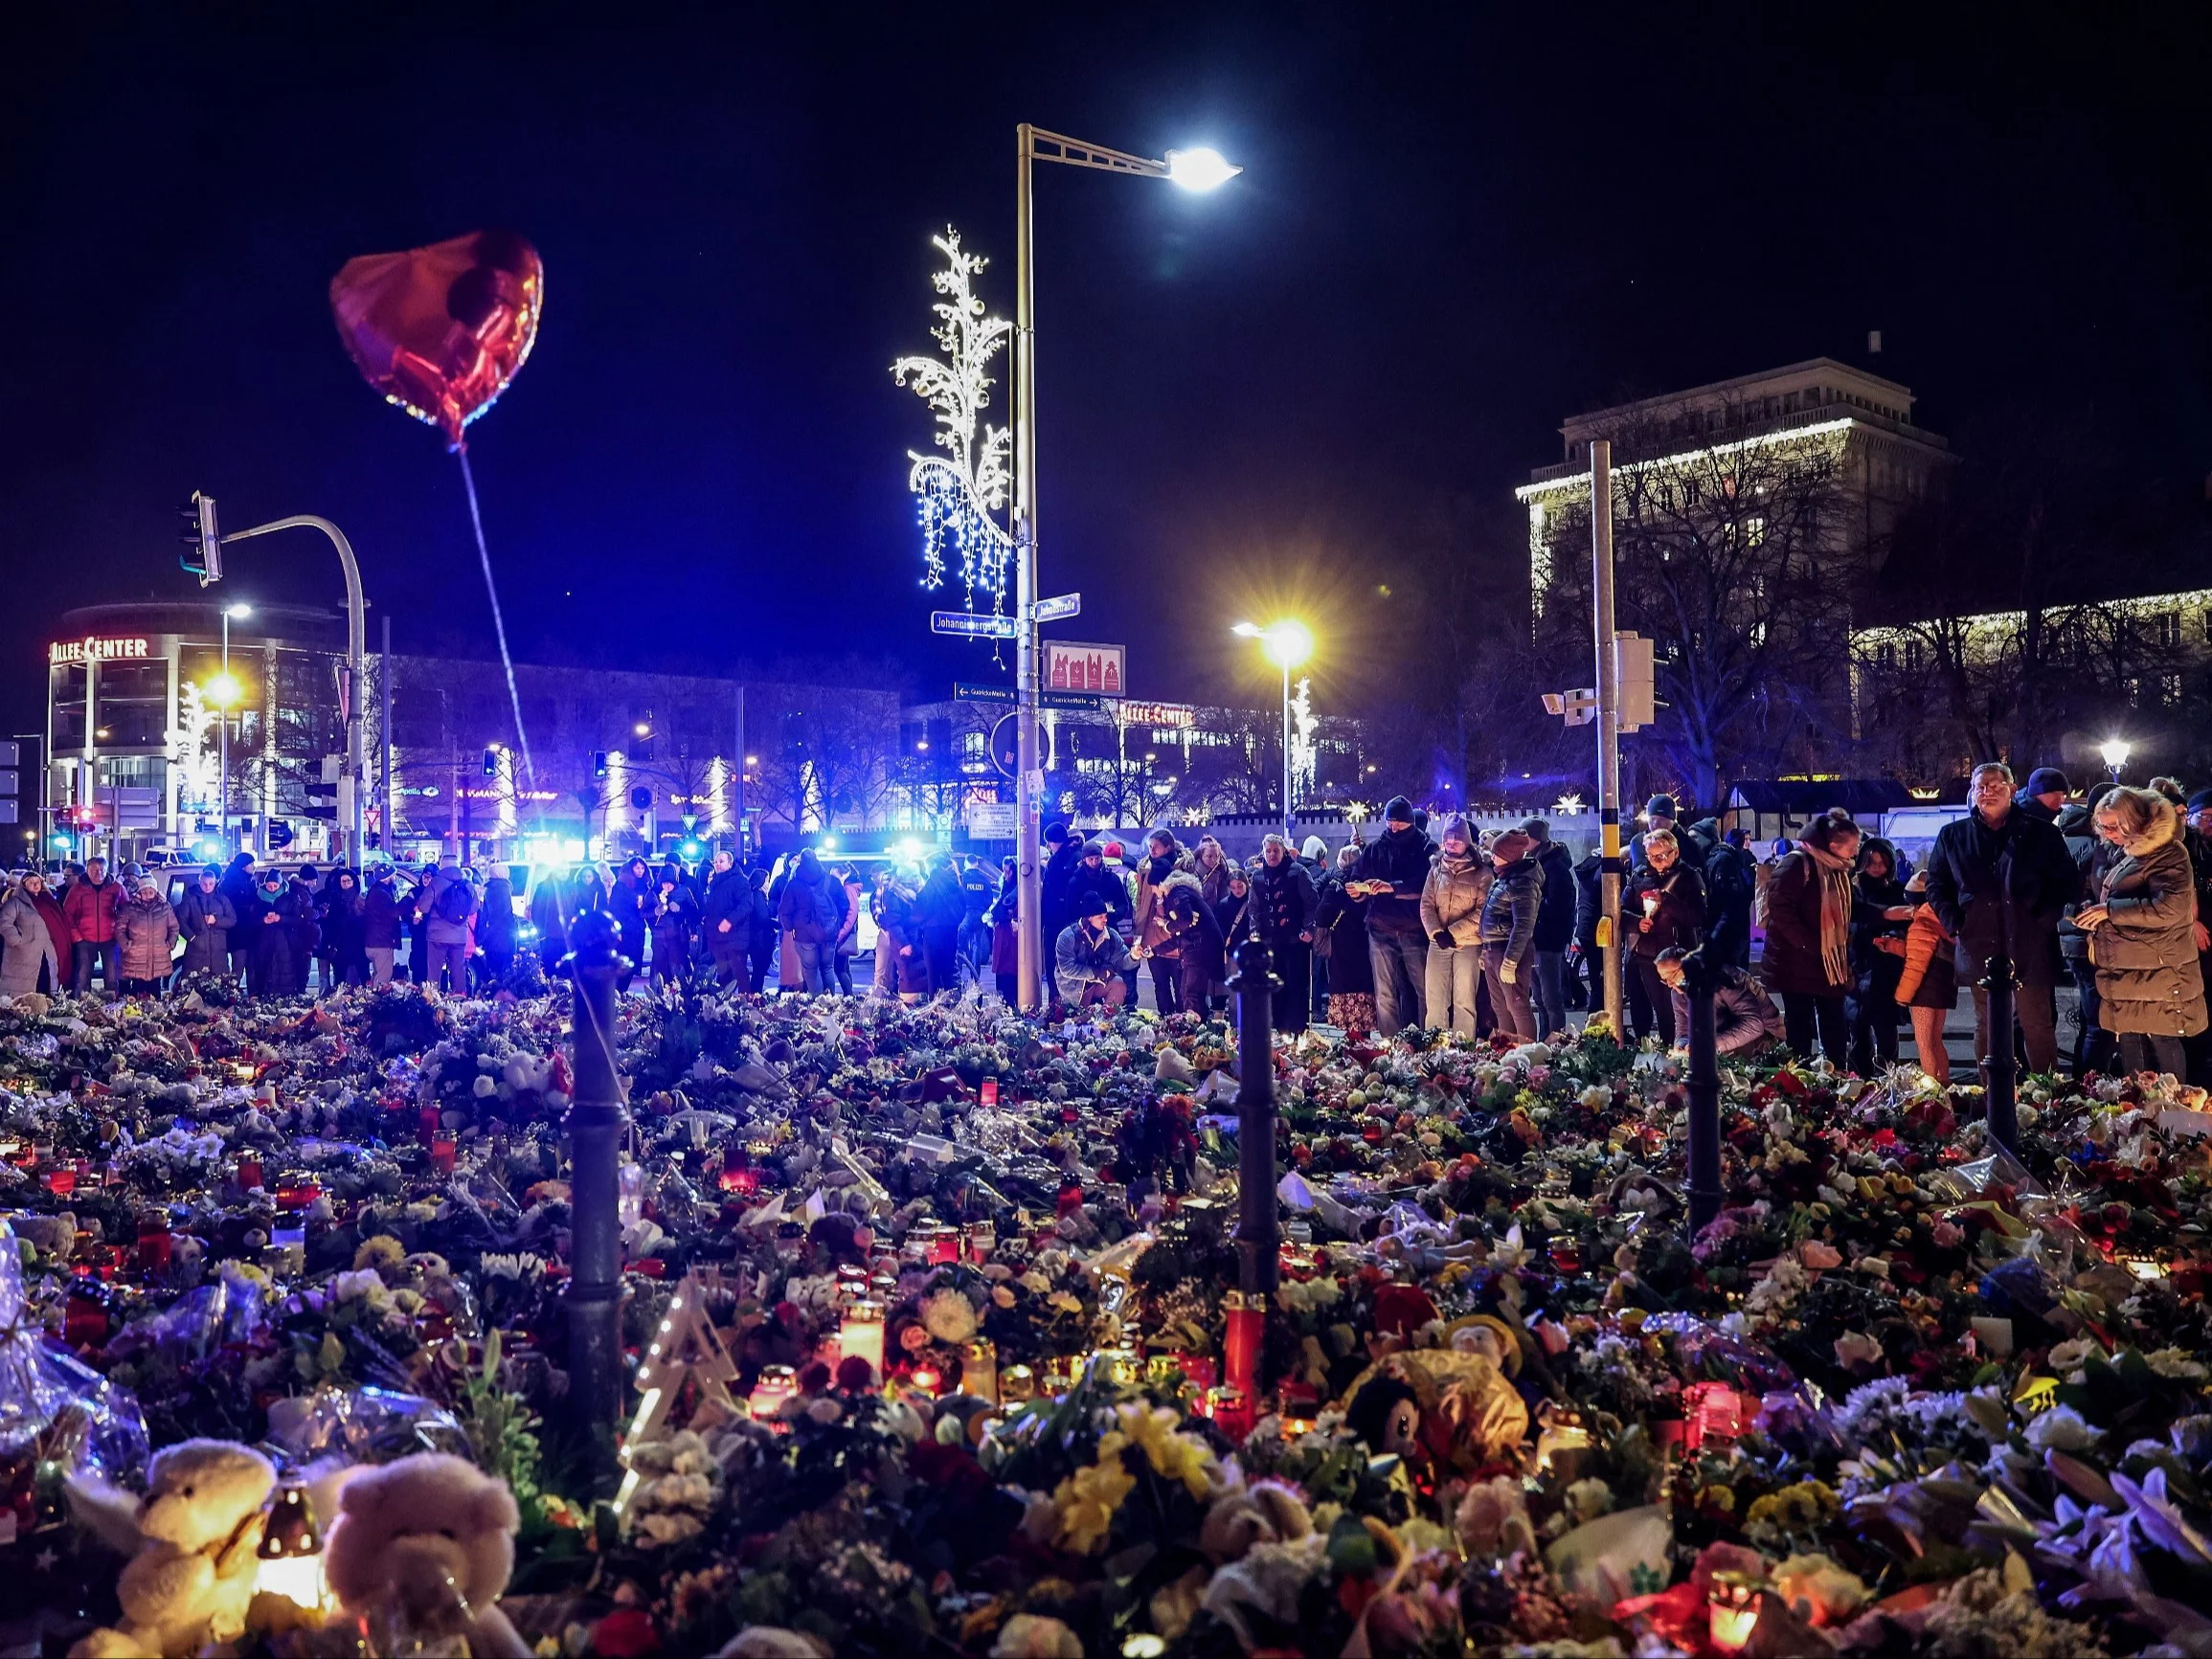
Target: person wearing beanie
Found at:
2046, 792
1163, 861
1662, 905
1091, 961
2094, 1047
1341, 919
1811, 902
1392, 871
206, 918
1555, 930
1282, 911
1510, 910
1452, 901
1658, 813
1056, 890
1314, 855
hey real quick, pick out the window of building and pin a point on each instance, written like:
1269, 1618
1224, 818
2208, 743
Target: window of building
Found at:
1912, 656
2134, 688
1885, 658
974, 746
2166, 629
2169, 688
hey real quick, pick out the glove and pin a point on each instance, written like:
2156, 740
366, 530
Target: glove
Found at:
1441, 940
1506, 972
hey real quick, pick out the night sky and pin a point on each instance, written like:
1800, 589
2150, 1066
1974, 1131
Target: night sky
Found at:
1457, 227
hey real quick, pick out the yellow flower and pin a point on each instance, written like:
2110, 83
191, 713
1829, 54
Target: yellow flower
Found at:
1087, 1499
1171, 1455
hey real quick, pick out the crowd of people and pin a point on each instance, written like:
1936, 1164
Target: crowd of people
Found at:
1426, 923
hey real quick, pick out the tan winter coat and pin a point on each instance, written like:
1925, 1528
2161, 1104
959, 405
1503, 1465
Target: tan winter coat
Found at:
1452, 898
1151, 901
2145, 954
146, 935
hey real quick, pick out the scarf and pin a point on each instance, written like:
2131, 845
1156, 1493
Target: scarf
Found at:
1834, 912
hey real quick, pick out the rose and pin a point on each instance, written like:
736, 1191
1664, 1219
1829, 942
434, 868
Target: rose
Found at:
1819, 1256
1854, 1349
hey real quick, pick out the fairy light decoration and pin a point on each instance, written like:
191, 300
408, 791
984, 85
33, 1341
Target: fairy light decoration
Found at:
956, 490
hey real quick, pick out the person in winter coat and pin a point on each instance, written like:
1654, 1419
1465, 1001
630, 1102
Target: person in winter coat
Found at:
1731, 894
207, 918
1194, 933
2197, 839
33, 940
1811, 901
1452, 897
1213, 868
2142, 936
2094, 1047
498, 930
239, 887
1927, 983
1283, 906
938, 911
91, 906
380, 925
1006, 939
846, 948
1392, 875
1234, 910
1343, 921
811, 909
671, 918
1090, 957
2001, 879
1163, 858
1056, 885
1662, 907
343, 909
978, 887
449, 911
1509, 915
1877, 956
627, 901
1097, 881
1555, 930
728, 918
276, 965
145, 936
1744, 1017
1589, 908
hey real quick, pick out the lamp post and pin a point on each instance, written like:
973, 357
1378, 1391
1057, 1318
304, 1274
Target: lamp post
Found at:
1193, 169
2115, 752
224, 693
1286, 644
356, 651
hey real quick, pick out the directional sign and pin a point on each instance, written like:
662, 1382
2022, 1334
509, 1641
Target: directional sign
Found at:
1060, 608
1005, 744
1086, 702
972, 625
971, 691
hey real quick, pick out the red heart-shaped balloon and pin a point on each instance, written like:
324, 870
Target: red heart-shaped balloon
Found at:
440, 330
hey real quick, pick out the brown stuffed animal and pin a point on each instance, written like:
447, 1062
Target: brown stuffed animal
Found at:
422, 1549
192, 1577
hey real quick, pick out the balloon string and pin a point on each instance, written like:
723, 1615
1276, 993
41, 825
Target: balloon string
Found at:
498, 622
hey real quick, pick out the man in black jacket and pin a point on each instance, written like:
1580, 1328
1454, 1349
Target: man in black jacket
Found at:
1555, 930
1390, 875
2000, 879
729, 919
1731, 886
1056, 896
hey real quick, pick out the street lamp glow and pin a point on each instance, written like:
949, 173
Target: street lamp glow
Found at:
1200, 170
222, 691
2115, 752
237, 612
1286, 643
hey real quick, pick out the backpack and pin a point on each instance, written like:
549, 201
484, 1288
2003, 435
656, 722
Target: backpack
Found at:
454, 903
1729, 883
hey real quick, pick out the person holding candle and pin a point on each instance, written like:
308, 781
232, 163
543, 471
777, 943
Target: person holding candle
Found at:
1671, 895
207, 918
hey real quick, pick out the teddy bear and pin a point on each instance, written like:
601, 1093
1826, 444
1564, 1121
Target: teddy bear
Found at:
422, 1549
198, 1526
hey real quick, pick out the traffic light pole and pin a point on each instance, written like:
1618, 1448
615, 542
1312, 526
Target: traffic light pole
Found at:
356, 654
1610, 870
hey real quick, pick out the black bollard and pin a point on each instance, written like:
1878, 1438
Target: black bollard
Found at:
1700, 974
595, 1122
2000, 1068
1259, 1231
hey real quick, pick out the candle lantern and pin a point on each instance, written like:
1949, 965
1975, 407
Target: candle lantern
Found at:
988, 1094
980, 1369
289, 1245
290, 1554
444, 1152
61, 1182
1564, 1442
860, 1335
982, 1240
775, 1385
156, 1245
249, 1172
1732, 1609
929, 1379
1017, 1386
943, 1244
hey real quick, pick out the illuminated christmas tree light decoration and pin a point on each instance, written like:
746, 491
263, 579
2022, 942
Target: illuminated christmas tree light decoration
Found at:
1303, 729
717, 797
956, 492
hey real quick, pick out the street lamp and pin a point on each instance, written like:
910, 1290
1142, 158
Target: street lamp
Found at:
1193, 169
223, 692
1286, 644
2115, 752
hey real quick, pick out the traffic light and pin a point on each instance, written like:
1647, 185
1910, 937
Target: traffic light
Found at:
642, 799
598, 763
279, 834
1633, 674
491, 763
322, 802
201, 533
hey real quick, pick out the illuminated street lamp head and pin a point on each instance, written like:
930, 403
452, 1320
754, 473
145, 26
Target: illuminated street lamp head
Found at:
222, 691
237, 612
1200, 170
643, 729
1286, 643
2115, 752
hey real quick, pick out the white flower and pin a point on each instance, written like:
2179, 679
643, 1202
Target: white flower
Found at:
2060, 1428
359, 1283
2071, 1354
2174, 1363
949, 1317
1857, 1348
485, 1087
1588, 1499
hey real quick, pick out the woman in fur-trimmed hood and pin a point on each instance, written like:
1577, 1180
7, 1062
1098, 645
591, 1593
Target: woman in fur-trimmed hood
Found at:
2142, 933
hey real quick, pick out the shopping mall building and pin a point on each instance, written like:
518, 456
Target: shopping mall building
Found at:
607, 763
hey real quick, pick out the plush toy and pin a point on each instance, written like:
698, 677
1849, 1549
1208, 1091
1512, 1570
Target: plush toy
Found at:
422, 1549
193, 1575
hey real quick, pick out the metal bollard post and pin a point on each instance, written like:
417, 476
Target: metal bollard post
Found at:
2001, 1069
1259, 1232
595, 1122
1698, 976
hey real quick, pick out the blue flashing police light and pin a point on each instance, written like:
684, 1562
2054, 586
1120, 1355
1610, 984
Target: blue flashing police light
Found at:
690, 850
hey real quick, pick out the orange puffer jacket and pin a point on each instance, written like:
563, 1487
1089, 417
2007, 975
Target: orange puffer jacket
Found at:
1922, 940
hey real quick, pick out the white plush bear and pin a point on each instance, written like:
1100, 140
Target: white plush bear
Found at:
422, 1547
